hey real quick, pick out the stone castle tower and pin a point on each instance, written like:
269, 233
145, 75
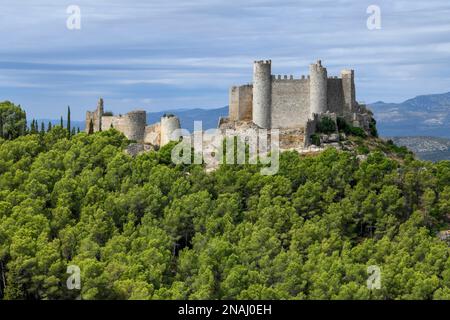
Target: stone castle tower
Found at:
133, 125
294, 104
287, 102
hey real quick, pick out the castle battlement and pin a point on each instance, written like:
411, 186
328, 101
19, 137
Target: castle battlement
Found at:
283, 101
294, 104
267, 62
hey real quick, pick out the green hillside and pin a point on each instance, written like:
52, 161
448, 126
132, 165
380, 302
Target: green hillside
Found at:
142, 228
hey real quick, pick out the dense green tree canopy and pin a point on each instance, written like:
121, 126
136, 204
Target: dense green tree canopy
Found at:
142, 228
13, 121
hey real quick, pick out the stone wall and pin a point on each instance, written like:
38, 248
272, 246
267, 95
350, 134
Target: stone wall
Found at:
241, 103
290, 103
132, 124
335, 96
153, 134
349, 91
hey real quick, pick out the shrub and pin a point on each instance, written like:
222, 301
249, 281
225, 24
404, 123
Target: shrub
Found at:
315, 139
363, 150
342, 124
357, 132
373, 128
326, 125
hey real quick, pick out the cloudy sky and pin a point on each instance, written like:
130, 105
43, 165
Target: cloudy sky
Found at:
165, 54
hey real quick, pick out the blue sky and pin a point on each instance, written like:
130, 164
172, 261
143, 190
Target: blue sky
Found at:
157, 55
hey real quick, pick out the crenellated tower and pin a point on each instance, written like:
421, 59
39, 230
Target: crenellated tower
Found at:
262, 93
318, 89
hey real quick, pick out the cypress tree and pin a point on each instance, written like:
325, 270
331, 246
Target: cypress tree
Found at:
49, 127
91, 127
73, 132
42, 127
78, 129
69, 131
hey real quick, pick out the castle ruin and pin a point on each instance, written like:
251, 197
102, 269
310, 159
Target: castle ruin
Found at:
294, 106
133, 125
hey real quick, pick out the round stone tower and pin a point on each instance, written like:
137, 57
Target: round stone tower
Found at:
262, 93
169, 123
318, 89
135, 128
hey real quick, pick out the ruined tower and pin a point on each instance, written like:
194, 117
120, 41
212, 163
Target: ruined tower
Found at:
348, 84
318, 88
262, 93
169, 123
135, 126
95, 117
99, 114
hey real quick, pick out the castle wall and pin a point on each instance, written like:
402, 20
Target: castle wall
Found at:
290, 103
153, 134
90, 116
335, 96
107, 121
241, 103
132, 124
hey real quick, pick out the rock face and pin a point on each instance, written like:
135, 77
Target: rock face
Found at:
136, 148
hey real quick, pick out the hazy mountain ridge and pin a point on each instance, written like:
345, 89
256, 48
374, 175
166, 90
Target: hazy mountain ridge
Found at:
426, 115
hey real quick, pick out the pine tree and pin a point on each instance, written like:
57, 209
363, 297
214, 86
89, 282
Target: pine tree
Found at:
69, 131
49, 127
78, 129
91, 127
42, 128
33, 127
61, 122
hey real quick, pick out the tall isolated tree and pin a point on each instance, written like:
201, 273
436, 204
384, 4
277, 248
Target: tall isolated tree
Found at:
34, 127
91, 127
61, 123
69, 132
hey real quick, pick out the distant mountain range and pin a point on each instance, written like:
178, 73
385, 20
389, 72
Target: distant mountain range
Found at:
427, 115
